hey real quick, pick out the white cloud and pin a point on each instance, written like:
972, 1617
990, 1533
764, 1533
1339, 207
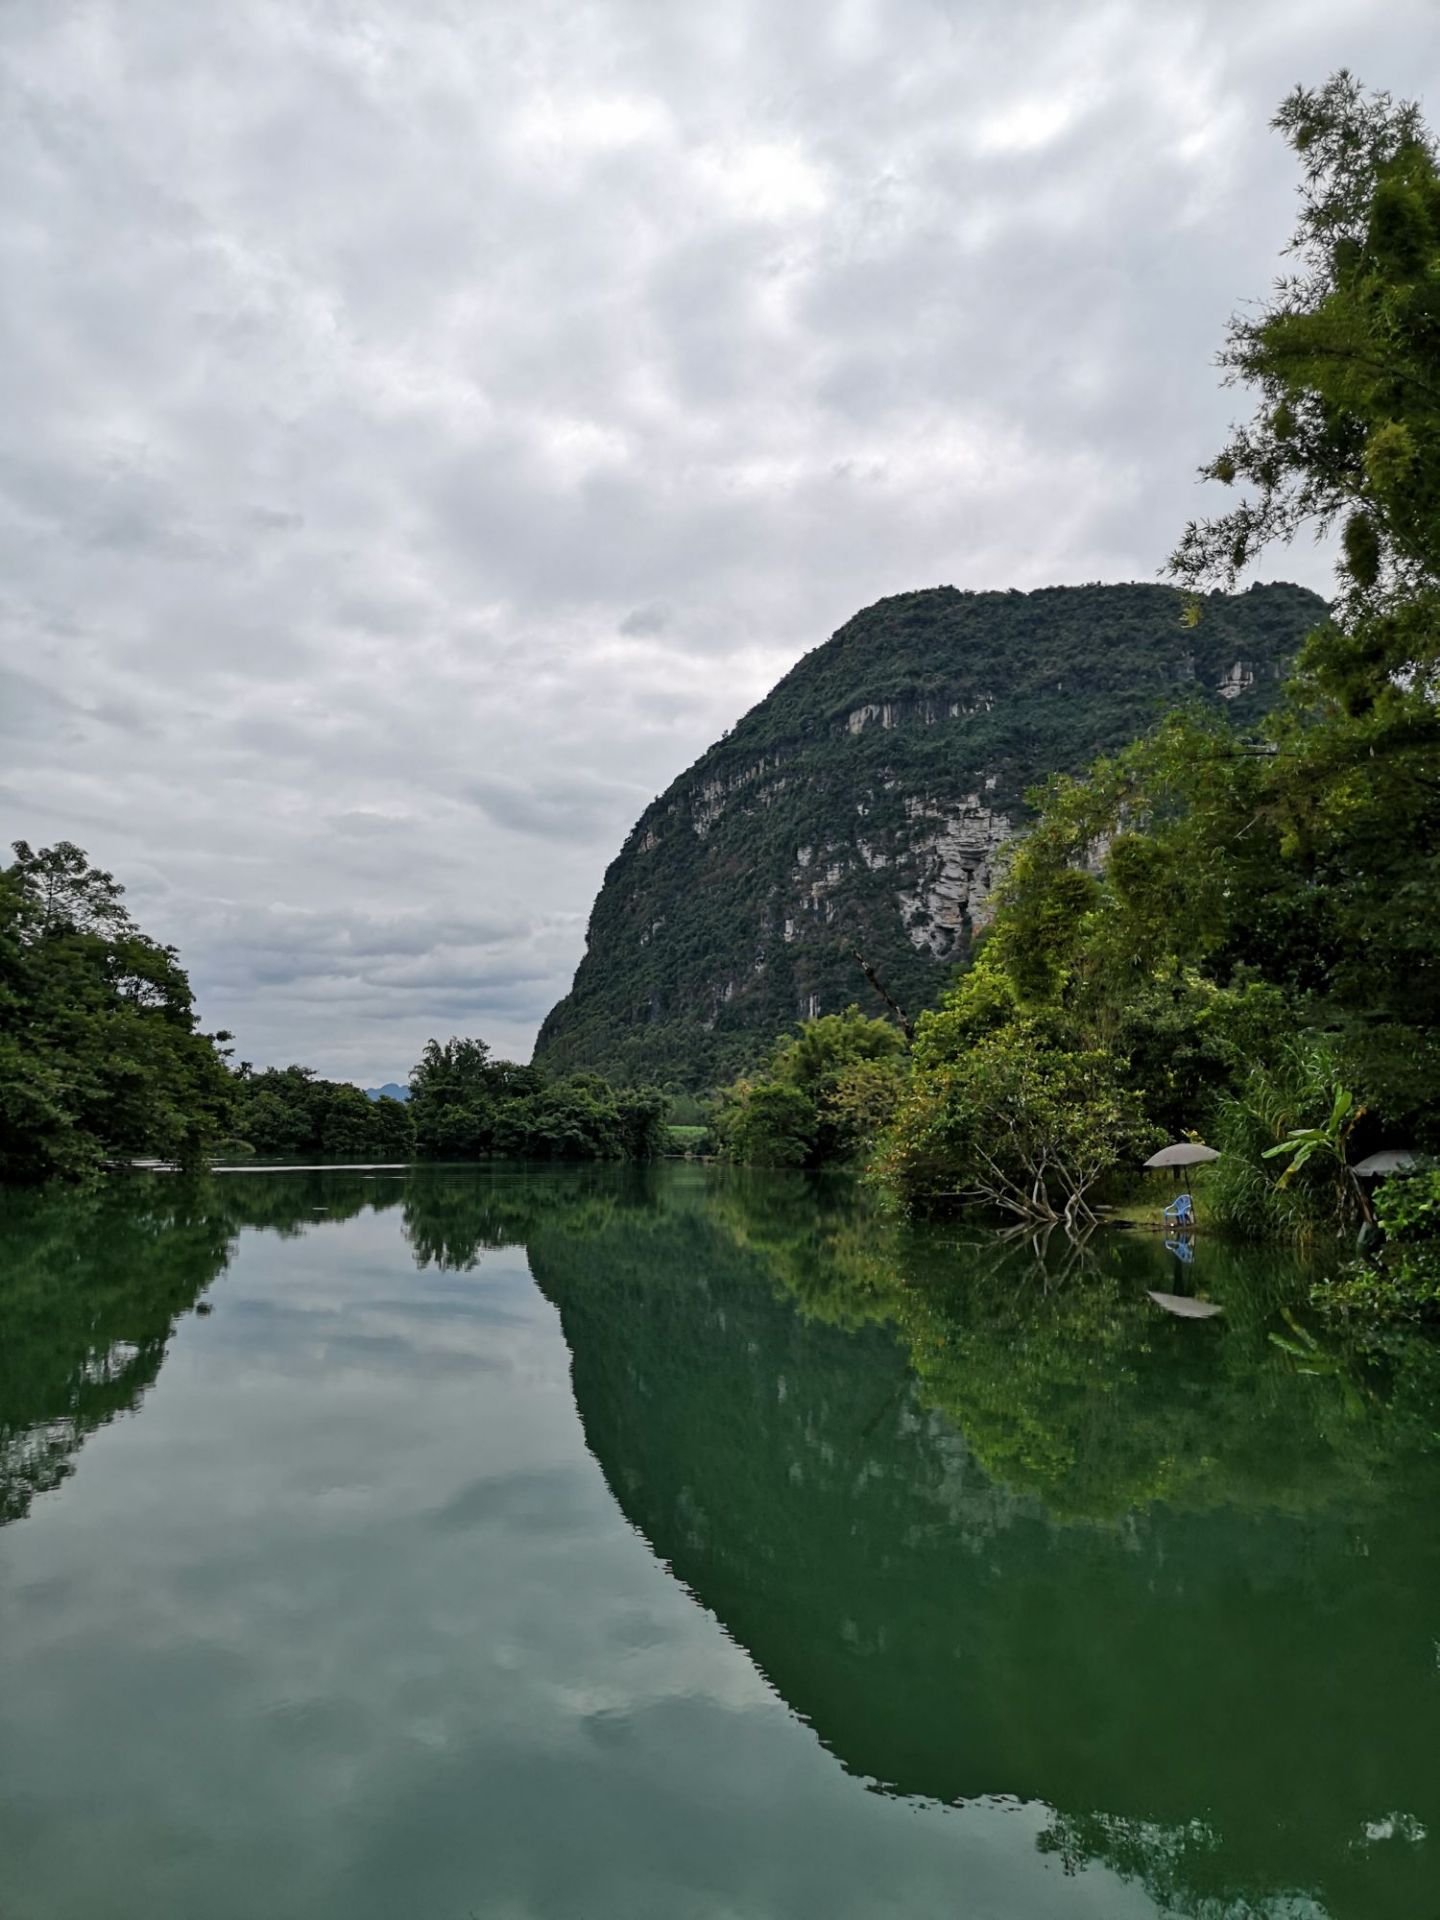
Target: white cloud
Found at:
578, 126
1024, 126
764, 180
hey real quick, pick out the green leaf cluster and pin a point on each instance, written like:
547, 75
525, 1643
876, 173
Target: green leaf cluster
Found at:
1345, 357
1400, 1281
99, 1052
1408, 1205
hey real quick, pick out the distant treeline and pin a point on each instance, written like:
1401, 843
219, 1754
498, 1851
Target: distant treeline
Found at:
463, 1105
101, 1059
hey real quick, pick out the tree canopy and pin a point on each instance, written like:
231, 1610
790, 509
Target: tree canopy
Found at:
467, 1105
99, 1049
1345, 359
289, 1112
824, 1093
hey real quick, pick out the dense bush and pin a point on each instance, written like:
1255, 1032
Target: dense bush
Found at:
1408, 1206
1014, 1120
822, 1095
767, 1124
1402, 1280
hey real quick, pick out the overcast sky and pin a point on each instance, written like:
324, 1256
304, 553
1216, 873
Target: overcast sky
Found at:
426, 424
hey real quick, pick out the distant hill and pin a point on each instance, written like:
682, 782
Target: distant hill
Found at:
865, 801
390, 1091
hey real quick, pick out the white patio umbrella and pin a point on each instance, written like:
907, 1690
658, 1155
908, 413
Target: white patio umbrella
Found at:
1185, 1153
1387, 1160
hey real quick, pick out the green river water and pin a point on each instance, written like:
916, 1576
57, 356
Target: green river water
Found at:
618, 1544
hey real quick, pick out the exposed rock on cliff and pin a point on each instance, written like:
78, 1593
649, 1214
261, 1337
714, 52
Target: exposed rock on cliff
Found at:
865, 803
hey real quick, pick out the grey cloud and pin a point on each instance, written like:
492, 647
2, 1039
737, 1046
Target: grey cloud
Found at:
563, 810
27, 706
425, 429
315, 942
642, 622
366, 824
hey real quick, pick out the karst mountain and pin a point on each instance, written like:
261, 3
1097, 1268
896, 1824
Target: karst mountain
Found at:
856, 817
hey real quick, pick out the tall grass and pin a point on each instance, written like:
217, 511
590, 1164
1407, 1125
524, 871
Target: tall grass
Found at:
1263, 1198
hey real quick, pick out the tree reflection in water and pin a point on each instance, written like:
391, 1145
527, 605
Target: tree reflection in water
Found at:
989, 1521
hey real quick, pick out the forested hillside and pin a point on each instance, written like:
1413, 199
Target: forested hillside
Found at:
860, 809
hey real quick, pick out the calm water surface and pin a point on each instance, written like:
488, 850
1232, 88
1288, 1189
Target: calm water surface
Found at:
605, 1544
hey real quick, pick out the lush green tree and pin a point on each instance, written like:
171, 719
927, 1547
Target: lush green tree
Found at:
851, 1068
1199, 902
824, 1093
573, 1119
767, 1123
860, 1102
270, 1124
643, 1131
351, 1123
99, 1050
583, 1118
819, 1049
687, 1109
1015, 1120
1134, 871
457, 1093
1345, 358
457, 1132
392, 1131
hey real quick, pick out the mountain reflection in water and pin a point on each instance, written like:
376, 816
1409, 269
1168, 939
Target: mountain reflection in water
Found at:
989, 1521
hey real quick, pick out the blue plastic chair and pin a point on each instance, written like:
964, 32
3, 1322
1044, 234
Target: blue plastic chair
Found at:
1181, 1210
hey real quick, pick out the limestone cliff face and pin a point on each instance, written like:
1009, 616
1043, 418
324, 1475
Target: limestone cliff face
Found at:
867, 802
